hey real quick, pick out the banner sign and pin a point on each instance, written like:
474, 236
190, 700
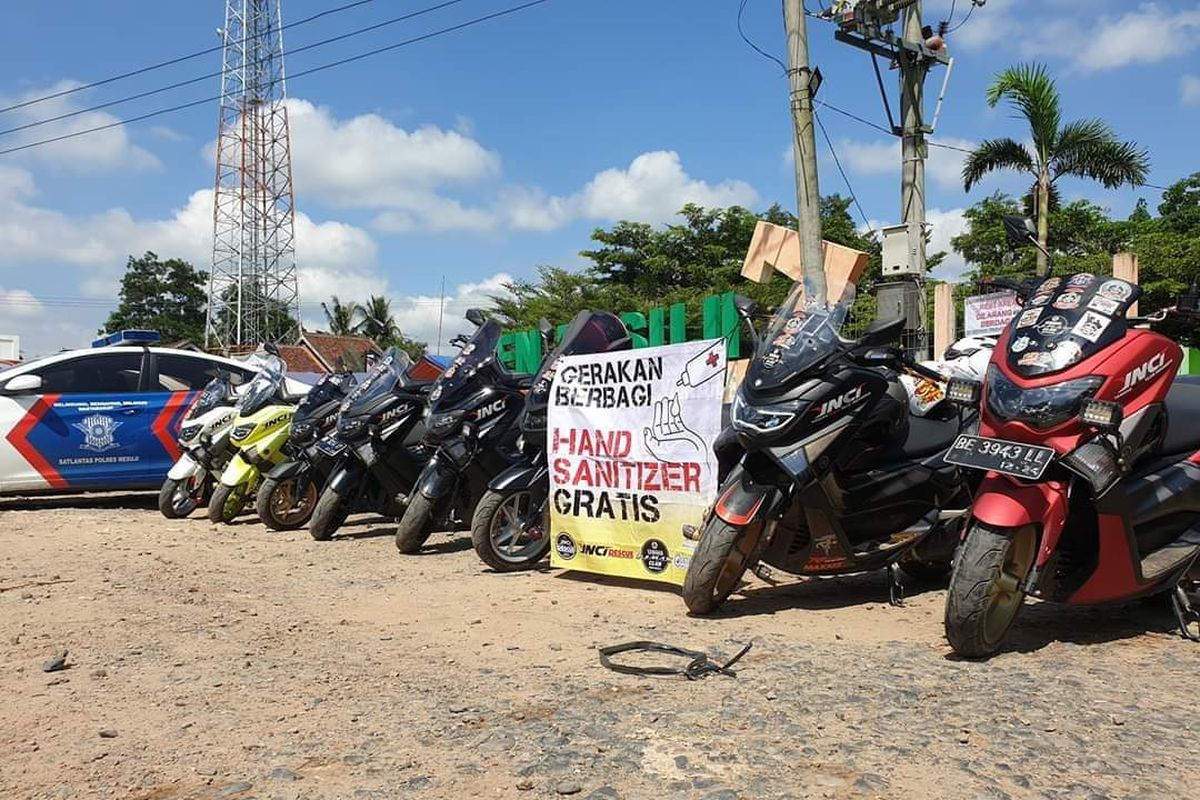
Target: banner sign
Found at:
987, 314
629, 443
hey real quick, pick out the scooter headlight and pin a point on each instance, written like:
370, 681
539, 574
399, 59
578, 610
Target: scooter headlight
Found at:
445, 424
242, 431
189, 432
749, 418
1042, 407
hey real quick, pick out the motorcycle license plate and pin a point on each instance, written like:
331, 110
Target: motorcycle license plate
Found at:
331, 447
1026, 461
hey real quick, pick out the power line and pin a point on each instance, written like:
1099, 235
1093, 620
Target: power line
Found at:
965, 19
837, 161
753, 46
855, 117
172, 61
220, 72
293, 76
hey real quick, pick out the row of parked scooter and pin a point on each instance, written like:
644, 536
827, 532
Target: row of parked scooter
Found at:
467, 447
1061, 461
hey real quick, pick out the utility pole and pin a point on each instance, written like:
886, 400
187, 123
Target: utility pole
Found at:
913, 149
804, 149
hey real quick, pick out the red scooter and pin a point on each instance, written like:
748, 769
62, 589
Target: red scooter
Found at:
1091, 448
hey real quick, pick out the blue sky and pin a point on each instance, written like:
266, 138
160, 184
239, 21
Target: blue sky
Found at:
481, 154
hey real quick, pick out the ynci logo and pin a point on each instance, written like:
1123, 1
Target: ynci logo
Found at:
841, 402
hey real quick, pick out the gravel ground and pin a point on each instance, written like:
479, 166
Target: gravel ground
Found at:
232, 662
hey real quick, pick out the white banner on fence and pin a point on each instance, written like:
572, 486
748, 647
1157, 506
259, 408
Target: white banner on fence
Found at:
630, 439
987, 314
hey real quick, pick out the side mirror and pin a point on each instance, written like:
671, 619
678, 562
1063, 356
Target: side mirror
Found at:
744, 305
476, 317
1188, 303
23, 384
547, 332
1021, 231
271, 348
881, 332
878, 357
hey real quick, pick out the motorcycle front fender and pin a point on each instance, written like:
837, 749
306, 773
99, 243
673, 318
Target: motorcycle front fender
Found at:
186, 467
346, 478
288, 469
238, 471
1005, 504
740, 499
437, 480
521, 477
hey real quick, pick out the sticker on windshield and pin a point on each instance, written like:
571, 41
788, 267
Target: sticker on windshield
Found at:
1091, 326
771, 360
1028, 317
1067, 353
1049, 284
793, 325
1116, 290
1052, 326
784, 340
1034, 359
1104, 305
1020, 344
1040, 299
1068, 301
1081, 280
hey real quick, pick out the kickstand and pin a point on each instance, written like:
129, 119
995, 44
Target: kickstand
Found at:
765, 573
1185, 613
895, 588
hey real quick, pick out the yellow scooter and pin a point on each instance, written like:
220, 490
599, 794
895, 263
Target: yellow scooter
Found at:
264, 421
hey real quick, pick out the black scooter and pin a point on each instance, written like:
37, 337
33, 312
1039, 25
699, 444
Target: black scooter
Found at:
833, 475
288, 494
470, 423
376, 448
510, 527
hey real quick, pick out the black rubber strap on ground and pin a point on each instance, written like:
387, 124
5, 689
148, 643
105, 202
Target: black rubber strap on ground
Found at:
697, 668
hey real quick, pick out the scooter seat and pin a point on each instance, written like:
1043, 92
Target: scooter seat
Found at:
928, 436
1183, 419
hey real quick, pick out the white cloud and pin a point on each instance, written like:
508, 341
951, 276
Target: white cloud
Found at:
943, 166
651, 189
19, 303
100, 151
417, 315
943, 226
1148, 35
1189, 89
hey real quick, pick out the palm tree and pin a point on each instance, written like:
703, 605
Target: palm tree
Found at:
1086, 148
341, 316
378, 323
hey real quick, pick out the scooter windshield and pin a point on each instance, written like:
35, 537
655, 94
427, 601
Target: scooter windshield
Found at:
382, 379
264, 387
589, 332
329, 388
477, 354
799, 336
212, 395
1067, 319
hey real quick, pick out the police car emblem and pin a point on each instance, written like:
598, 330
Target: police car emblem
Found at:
98, 433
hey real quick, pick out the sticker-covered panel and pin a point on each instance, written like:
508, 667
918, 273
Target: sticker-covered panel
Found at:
1067, 319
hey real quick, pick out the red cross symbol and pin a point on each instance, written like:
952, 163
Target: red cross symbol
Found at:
712, 359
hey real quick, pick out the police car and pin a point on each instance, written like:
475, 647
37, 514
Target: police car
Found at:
98, 419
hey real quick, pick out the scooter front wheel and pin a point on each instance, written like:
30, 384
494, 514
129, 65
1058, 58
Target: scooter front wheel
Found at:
720, 560
227, 502
985, 588
329, 515
286, 504
414, 528
179, 498
511, 529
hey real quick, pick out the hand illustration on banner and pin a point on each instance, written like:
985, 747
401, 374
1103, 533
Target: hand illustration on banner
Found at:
669, 439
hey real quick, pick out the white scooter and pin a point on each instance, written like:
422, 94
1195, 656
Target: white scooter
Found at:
204, 440
966, 358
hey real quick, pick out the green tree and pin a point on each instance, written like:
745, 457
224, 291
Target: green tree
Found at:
341, 317
378, 323
1083, 148
165, 296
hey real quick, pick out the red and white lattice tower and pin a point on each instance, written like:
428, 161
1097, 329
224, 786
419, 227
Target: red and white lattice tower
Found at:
253, 295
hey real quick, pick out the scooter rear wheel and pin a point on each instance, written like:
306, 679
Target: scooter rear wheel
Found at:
511, 529
720, 560
985, 588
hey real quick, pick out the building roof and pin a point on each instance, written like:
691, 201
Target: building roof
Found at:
299, 358
329, 349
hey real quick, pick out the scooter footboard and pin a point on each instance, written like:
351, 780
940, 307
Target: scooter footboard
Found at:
1005, 504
